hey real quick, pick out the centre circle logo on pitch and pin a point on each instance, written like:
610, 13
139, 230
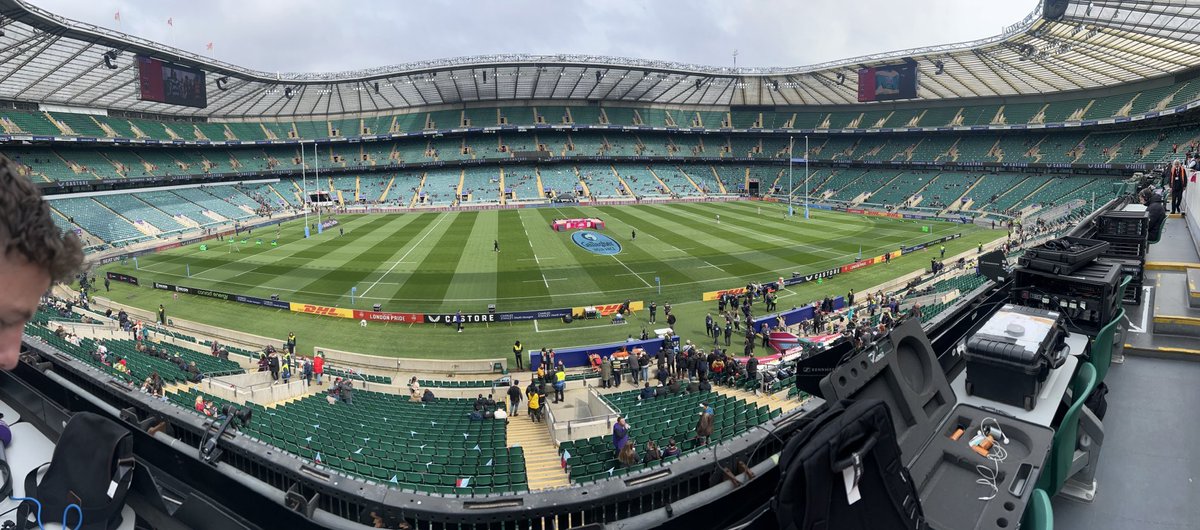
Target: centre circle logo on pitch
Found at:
596, 243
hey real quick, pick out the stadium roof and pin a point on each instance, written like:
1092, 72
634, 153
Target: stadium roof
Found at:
47, 58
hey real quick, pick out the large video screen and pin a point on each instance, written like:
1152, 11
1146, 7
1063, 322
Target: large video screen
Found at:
171, 83
893, 81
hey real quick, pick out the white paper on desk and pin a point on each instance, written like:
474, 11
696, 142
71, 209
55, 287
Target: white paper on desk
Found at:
1035, 328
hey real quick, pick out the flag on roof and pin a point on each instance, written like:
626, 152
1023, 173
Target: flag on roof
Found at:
117, 16
171, 22
462, 482
565, 456
209, 46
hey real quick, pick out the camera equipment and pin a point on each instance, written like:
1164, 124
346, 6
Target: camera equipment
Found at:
210, 452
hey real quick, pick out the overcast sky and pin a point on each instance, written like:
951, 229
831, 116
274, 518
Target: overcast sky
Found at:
335, 35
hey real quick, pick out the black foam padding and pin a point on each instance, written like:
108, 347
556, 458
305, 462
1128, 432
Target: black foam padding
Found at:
902, 370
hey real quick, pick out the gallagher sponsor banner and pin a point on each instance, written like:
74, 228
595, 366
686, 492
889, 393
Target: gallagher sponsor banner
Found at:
321, 310
713, 295
383, 316
121, 277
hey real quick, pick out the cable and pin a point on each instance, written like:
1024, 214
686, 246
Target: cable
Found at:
996, 454
38, 513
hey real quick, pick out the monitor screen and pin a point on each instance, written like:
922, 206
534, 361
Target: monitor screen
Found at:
171, 83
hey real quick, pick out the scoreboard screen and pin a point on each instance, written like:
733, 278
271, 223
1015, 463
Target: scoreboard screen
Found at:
171, 83
893, 81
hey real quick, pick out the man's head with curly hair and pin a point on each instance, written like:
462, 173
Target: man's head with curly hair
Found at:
33, 254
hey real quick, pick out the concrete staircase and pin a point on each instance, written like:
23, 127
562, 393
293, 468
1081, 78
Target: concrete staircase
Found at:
543, 466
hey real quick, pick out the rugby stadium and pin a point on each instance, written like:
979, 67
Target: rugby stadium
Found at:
888, 291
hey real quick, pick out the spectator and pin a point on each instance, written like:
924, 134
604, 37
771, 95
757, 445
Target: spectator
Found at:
647, 392
627, 456
671, 450
199, 405
644, 363
673, 386
620, 434
319, 367
414, 389
500, 414
291, 342
194, 374
606, 370
286, 373
428, 397
514, 397
652, 453
704, 425
308, 371
346, 392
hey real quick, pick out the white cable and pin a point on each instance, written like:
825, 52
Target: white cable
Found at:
996, 454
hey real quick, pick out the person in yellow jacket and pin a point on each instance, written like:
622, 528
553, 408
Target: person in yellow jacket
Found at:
560, 383
535, 407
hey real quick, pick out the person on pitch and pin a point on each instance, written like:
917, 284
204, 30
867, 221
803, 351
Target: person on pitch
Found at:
495, 245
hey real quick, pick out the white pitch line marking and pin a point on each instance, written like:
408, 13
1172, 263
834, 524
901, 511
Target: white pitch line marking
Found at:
631, 271
402, 258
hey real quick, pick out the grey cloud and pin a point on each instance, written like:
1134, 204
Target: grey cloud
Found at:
313, 35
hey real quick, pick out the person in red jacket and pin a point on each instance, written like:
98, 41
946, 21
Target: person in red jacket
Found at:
319, 366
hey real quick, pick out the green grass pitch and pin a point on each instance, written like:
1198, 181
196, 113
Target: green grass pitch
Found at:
443, 262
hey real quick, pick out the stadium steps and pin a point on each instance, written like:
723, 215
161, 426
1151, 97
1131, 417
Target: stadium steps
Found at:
762, 399
62, 126
543, 465
462, 180
538, 175
955, 204
586, 192
281, 197
690, 181
720, 183
108, 130
417, 194
501, 179
145, 228
661, 183
628, 189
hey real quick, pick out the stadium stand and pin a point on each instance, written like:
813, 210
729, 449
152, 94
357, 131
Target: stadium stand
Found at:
659, 420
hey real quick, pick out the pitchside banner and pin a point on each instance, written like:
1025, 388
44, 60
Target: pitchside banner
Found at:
829, 273
116, 276
605, 310
222, 296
